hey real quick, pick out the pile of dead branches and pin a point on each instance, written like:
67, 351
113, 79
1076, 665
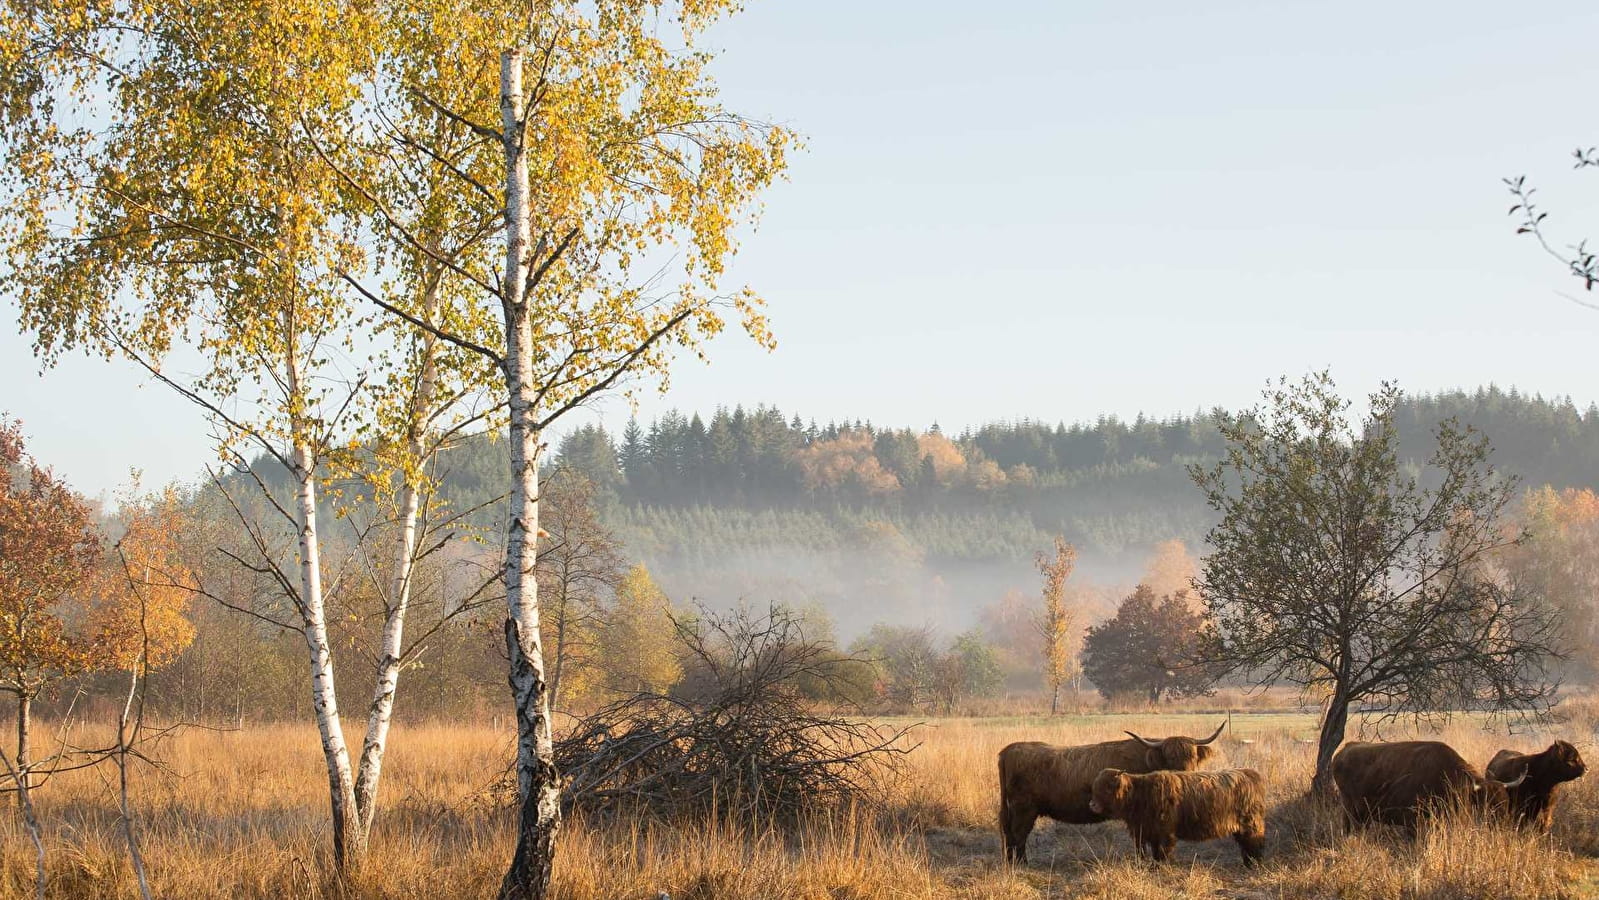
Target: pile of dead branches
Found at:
736, 735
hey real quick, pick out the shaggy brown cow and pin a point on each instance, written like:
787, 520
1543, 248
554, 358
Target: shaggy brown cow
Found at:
1395, 783
1037, 779
1161, 808
1532, 801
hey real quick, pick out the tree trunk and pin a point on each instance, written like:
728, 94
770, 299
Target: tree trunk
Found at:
1054, 699
381, 710
124, 804
560, 656
1333, 725
31, 822
348, 842
24, 732
528, 878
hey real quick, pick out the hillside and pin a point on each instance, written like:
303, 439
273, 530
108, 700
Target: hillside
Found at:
897, 525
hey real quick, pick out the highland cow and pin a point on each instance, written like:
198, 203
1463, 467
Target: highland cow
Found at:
1162, 808
1397, 783
1538, 776
1037, 779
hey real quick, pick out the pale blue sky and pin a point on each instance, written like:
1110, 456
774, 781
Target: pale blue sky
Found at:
1057, 210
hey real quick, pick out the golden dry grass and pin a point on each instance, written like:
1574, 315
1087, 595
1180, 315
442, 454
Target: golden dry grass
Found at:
243, 815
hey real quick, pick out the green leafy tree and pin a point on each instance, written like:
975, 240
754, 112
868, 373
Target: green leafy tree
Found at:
1335, 569
969, 668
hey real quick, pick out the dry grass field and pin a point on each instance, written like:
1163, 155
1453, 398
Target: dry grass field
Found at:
241, 815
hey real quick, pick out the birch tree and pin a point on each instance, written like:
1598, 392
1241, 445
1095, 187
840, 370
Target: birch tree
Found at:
426, 394
182, 206
620, 184
1056, 622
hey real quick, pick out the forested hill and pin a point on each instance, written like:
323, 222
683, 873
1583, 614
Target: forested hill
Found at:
757, 502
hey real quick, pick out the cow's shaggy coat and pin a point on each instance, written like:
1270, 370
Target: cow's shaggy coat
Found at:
1162, 808
1397, 782
1532, 802
1038, 779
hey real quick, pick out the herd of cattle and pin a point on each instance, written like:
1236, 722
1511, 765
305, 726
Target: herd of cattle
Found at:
1153, 787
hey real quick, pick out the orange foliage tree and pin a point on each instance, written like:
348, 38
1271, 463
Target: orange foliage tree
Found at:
845, 461
1171, 571
940, 457
48, 551
1559, 561
139, 621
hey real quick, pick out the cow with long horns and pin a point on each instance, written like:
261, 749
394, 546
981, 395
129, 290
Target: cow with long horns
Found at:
1038, 779
1537, 776
1396, 783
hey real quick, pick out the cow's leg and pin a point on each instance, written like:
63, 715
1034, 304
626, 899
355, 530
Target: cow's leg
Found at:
1161, 847
1141, 845
1252, 844
1355, 817
1015, 824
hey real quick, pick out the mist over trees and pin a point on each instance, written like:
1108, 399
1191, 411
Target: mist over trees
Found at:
738, 503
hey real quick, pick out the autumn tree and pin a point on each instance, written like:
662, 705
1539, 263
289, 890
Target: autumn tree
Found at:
1559, 560
138, 621
1335, 569
139, 625
1010, 625
1171, 568
49, 548
1154, 647
1057, 623
847, 463
580, 567
602, 150
637, 638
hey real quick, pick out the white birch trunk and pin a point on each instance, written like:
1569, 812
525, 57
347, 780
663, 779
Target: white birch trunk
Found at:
529, 875
381, 710
347, 842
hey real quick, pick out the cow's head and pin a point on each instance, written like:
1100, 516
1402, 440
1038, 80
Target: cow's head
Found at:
1561, 762
1178, 754
1108, 795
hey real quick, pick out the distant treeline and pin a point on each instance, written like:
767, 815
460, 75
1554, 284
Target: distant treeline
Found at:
746, 478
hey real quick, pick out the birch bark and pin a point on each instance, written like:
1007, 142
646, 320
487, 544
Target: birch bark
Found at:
348, 843
381, 710
529, 875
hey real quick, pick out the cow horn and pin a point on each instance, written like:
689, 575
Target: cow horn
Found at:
1147, 741
1517, 782
1214, 734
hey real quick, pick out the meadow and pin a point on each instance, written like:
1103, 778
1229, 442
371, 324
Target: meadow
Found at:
243, 814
